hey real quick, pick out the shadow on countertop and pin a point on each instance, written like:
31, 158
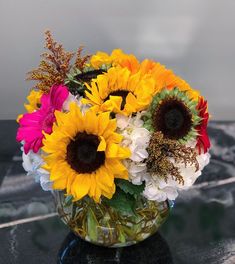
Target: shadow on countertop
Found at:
153, 250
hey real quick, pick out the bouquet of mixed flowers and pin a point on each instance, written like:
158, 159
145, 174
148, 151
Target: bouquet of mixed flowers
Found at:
112, 128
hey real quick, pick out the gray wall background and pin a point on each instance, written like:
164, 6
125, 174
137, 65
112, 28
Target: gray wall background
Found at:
196, 38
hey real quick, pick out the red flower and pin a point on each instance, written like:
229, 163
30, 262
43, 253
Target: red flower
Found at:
202, 139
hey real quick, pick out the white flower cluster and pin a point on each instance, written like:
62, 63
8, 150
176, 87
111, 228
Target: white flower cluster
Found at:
137, 138
158, 189
75, 99
32, 163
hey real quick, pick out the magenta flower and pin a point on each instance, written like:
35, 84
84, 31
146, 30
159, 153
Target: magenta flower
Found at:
32, 125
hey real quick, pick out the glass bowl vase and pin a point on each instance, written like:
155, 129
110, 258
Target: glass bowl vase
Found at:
103, 225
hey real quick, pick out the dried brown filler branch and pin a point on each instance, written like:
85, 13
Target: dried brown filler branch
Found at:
80, 61
160, 149
54, 66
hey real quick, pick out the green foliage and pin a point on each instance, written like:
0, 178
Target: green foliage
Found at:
75, 86
125, 198
92, 225
68, 200
128, 187
122, 202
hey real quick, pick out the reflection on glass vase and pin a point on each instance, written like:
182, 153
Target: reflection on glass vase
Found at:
103, 225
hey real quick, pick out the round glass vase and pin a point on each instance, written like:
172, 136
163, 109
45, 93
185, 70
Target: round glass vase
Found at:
103, 225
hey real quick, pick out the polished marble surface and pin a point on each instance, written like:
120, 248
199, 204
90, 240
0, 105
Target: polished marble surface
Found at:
200, 229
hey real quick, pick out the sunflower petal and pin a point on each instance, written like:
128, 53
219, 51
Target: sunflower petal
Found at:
102, 145
81, 186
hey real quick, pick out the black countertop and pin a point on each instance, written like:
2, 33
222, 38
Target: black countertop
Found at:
200, 229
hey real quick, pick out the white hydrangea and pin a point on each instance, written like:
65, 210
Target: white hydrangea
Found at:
139, 142
137, 171
32, 163
159, 190
76, 99
136, 138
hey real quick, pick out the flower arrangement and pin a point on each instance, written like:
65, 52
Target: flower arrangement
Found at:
111, 130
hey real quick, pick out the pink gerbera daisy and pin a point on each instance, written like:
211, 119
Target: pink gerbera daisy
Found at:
32, 125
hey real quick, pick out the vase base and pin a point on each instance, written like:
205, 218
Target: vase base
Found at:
76, 250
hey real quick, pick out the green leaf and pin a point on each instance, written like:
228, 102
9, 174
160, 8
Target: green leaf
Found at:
75, 87
121, 235
128, 187
68, 200
92, 224
121, 202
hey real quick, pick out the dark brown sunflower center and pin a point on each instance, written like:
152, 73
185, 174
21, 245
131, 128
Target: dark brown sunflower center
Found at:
82, 154
122, 93
173, 118
88, 76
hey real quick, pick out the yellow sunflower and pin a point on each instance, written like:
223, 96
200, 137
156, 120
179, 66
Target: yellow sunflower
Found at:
163, 77
184, 86
166, 78
117, 58
99, 59
84, 154
33, 98
120, 91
